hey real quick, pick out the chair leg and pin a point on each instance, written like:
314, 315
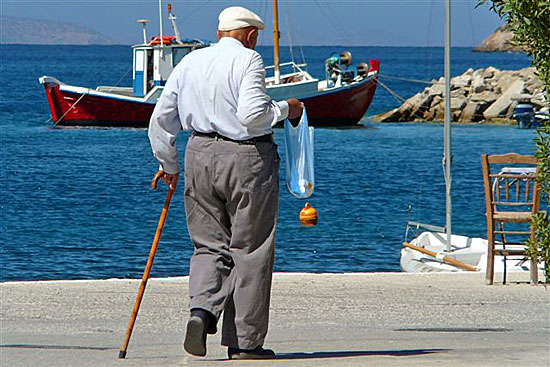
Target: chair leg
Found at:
504, 273
490, 272
534, 272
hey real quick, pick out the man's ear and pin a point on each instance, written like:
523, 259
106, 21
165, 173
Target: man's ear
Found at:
252, 36
218, 34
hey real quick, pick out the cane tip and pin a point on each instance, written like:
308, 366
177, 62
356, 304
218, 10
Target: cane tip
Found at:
122, 354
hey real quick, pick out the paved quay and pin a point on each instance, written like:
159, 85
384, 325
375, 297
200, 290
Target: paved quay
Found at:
359, 319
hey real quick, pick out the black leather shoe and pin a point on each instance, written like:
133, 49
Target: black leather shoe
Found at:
256, 353
208, 318
195, 336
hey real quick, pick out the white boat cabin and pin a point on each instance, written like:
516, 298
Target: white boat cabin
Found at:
153, 63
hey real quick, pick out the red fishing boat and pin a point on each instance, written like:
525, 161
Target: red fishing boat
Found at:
341, 99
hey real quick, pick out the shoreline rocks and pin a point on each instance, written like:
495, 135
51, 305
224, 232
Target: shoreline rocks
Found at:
483, 95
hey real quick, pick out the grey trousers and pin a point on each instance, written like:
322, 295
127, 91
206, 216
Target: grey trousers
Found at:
231, 203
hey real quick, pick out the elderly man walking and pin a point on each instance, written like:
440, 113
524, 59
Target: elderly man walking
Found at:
231, 182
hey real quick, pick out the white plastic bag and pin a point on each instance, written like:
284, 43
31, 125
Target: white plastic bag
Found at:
300, 179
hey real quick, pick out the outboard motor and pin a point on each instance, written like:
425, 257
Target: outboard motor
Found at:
338, 66
525, 116
345, 58
349, 74
363, 69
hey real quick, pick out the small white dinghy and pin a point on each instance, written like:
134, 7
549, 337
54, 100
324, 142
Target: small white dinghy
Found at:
466, 250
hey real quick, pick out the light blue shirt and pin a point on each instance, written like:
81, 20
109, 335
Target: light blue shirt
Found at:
215, 89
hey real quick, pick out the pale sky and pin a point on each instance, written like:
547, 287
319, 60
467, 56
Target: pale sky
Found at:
308, 22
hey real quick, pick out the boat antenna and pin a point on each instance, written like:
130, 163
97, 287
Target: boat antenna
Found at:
161, 44
276, 36
144, 24
173, 18
447, 155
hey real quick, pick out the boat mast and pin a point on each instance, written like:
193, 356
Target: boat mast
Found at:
161, 44
174, 25
447, 155
276, 36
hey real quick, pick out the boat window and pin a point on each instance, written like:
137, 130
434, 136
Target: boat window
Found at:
178, 53
155, 94
139, 60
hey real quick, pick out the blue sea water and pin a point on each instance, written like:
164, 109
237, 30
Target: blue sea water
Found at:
76, 203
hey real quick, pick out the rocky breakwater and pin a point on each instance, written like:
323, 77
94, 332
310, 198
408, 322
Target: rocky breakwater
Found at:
483, 95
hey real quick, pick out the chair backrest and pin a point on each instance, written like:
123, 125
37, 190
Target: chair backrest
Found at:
510, 183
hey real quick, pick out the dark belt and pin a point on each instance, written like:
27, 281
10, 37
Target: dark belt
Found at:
268, 138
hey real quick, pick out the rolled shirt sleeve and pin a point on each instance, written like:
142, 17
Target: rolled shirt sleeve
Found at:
254, 107
164, 127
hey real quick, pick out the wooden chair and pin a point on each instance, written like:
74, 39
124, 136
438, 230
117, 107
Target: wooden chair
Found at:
511, 196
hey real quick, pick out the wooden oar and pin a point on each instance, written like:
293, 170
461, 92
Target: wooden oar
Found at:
447, 259
147, 271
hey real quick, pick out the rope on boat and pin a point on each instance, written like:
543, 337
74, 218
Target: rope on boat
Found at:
70, 108
124, 76
420, 81
397, 96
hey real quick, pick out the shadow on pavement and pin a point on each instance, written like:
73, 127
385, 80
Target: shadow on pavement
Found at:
359, 353
41, 346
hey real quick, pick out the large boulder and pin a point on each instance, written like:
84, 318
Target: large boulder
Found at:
486, 96
491, 72
539, 99
499, 108
461, 81
421, 105
458, 103
478, 82
473, 112
436, 89
390, 116
503, 81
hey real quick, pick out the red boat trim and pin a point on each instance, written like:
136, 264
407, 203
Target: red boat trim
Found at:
48, 87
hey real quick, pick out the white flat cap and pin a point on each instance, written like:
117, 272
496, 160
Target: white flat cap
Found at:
237, 17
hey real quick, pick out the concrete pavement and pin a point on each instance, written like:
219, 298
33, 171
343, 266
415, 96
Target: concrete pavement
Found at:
359, 319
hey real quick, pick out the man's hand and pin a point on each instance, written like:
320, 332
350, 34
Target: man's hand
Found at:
295, 108
171, 180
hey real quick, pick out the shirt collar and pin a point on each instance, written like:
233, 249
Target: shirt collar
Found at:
230, 40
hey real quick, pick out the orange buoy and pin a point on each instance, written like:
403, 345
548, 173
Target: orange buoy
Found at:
308, 215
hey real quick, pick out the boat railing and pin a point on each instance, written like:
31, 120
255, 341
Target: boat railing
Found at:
297, 67
417, 225
125, 91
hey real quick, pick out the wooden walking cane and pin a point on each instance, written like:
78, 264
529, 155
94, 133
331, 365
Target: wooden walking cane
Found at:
147, 271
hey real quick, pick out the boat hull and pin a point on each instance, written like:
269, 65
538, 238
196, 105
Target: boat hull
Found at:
345, 107
76, 106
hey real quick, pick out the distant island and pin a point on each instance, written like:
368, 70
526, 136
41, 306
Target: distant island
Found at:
17, 30
499, 41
